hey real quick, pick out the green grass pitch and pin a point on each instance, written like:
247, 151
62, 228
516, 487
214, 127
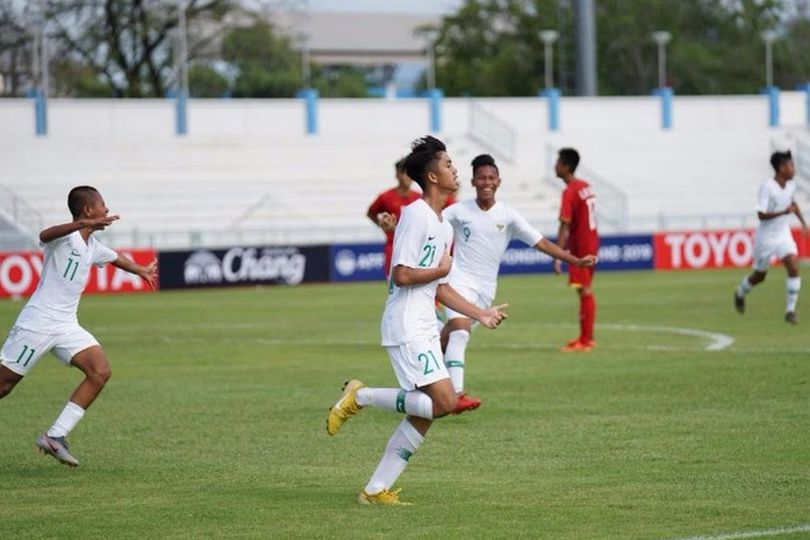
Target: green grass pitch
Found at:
213, 423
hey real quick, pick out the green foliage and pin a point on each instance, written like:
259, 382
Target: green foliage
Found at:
206, 82
490, 47
267, 66
212, 425
347, 82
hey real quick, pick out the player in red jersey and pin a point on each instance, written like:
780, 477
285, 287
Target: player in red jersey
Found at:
578, 235
385, 209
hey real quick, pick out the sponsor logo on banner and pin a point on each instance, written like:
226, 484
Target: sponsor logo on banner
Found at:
244, 265
615, 253
20, 272
710, 249
241, 265
357, 262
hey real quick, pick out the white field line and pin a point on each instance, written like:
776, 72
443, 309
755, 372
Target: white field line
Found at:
753, 534
717, 341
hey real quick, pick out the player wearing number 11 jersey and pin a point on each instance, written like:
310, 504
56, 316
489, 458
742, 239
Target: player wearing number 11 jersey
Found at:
48, 321
578, 235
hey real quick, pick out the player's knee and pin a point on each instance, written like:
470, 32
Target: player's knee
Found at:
5, 388
100, 374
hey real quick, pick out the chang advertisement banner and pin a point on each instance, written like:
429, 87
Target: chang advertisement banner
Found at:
356, 262
243, 266
615, 253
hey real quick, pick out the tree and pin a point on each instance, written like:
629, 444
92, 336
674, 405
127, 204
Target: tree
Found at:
128, 44
266, 64
491, 47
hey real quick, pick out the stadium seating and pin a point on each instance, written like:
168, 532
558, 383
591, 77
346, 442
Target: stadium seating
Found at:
277, 184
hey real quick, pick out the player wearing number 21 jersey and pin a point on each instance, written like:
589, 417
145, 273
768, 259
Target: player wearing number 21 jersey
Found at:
578, 235
483, 228
419, 268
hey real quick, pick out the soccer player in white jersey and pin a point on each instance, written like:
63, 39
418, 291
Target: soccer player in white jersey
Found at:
773, 238
48, 322
483, 228
419, 267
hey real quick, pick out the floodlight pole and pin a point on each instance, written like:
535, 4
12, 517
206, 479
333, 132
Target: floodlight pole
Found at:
661, 38
549, 37
769, 36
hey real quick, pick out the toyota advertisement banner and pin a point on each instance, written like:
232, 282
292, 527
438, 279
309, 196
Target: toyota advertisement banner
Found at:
711, 249
241, 265
20, 271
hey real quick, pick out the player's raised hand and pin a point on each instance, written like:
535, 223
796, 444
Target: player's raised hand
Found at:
150, 273
446, 262
557, 264
587, 260
387, 221
493, 316
101, 223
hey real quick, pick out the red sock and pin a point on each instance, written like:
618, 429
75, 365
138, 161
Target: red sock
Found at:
587, 316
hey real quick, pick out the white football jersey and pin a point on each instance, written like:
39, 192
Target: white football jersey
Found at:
420, 240
481, 239
65, 269
774, 198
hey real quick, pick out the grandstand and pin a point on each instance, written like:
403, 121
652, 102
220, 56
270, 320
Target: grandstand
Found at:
248, 172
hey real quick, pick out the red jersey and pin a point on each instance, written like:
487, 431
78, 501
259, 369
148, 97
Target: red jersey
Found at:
578, 209
391, 201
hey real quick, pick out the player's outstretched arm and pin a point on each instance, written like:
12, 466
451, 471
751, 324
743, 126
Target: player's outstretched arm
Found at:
490, 317
550, 248
405, 275
64, 229
148, 273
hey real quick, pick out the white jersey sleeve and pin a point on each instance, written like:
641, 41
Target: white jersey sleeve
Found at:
519, 228
102, 254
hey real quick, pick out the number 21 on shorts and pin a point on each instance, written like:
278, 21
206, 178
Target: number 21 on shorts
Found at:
428, 359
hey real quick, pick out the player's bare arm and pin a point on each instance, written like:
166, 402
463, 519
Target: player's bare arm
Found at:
64, 229
563, 233
798, 211
405, 275
148, 273
764, 216
550, 248
490, 317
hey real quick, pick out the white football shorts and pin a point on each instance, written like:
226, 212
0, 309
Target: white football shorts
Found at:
418, 363
23, 348
470, 295
777, 247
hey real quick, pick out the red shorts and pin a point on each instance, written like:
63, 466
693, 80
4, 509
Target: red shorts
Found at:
580, 276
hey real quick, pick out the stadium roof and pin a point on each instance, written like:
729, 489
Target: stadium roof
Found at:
356, 38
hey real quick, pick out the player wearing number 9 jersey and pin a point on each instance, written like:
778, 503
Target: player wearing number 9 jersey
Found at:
578, 235
48, 321
483, 228
419, 268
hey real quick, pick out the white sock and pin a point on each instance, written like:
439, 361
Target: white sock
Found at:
454, 357
415, 402
792, 286
402, 444
66, 421
744, 287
